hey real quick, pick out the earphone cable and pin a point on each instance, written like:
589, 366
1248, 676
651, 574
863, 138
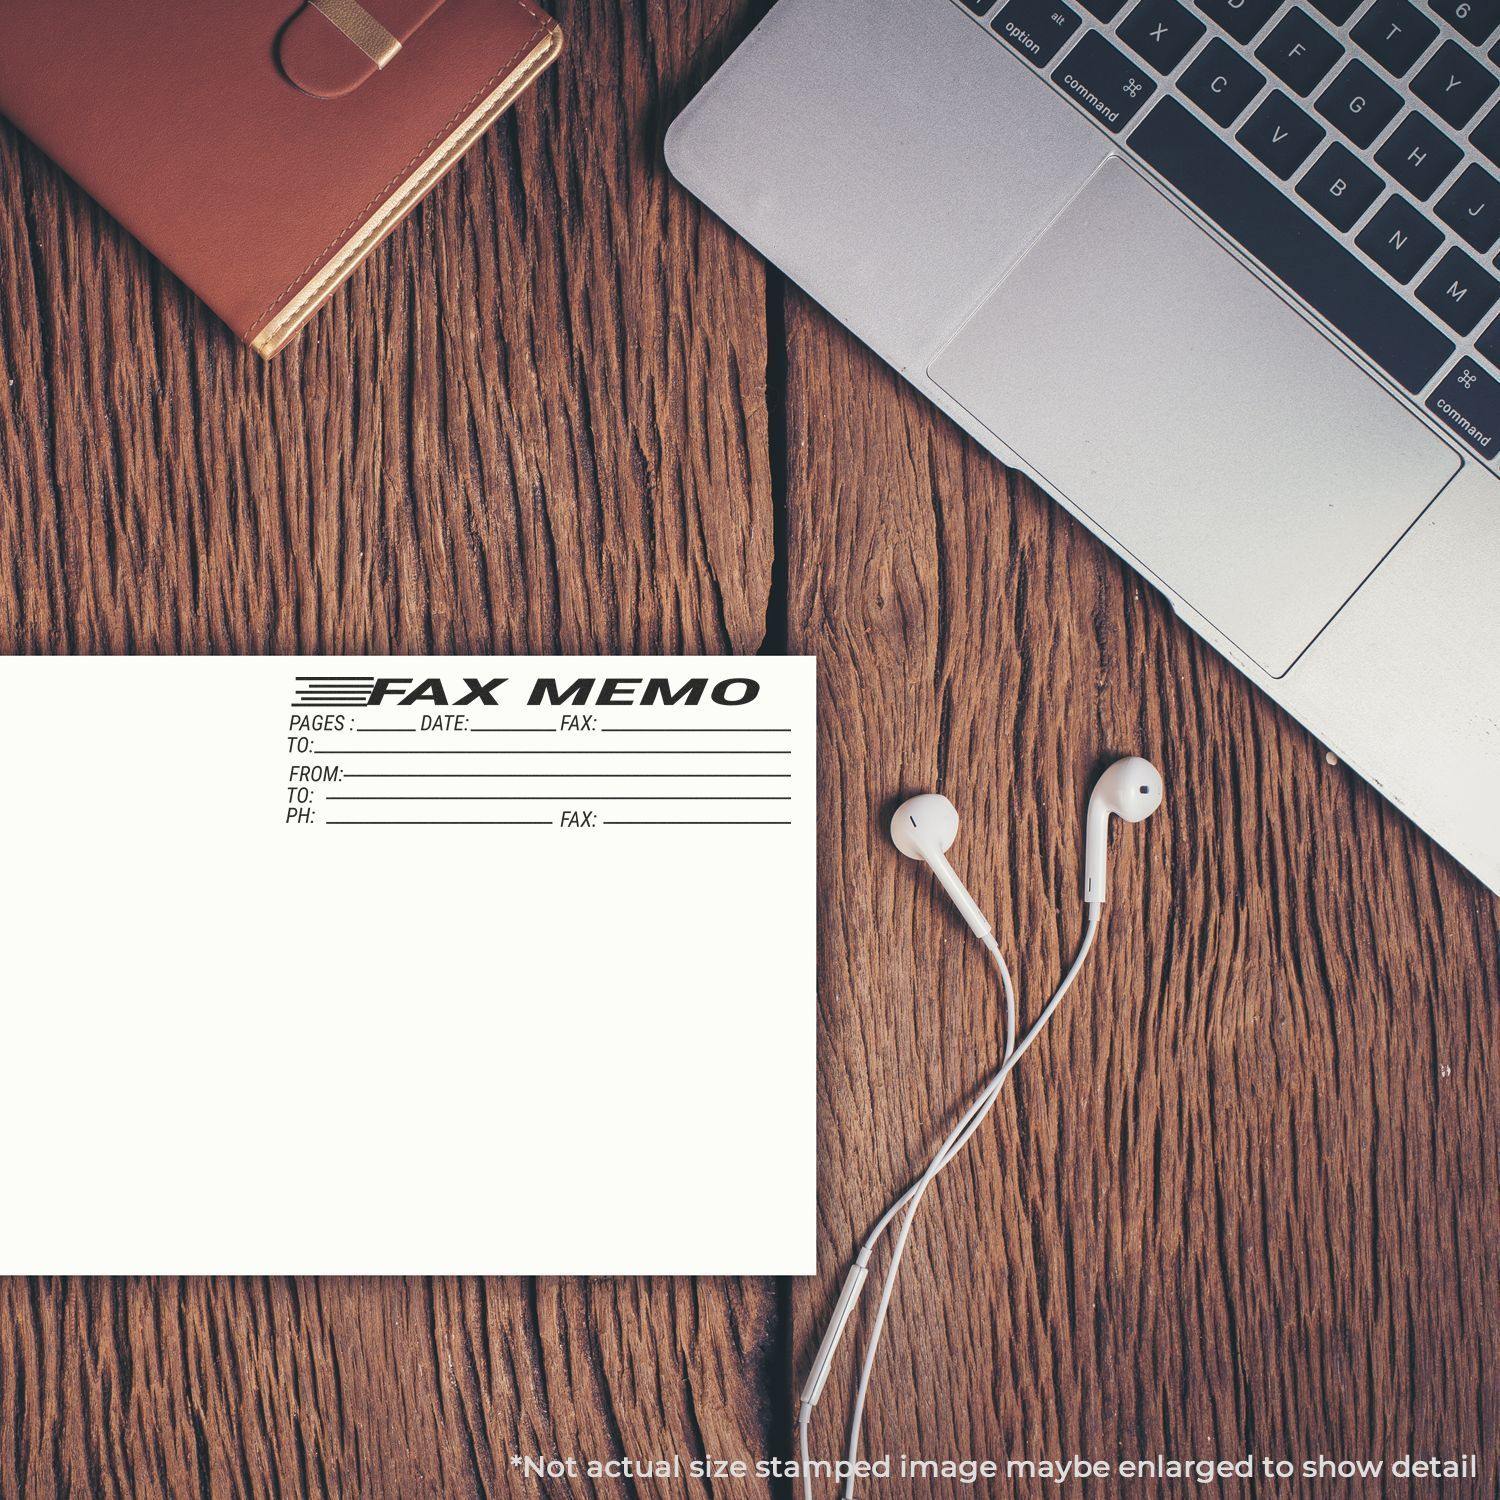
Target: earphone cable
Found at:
805, 1416
969, 1123
956, 1140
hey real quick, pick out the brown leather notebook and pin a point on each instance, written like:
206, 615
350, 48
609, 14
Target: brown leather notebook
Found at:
262, 148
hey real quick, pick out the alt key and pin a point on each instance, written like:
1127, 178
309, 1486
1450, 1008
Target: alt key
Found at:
1036, 28
1468, 400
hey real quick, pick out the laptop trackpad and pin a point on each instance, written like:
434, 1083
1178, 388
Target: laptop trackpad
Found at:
1234, 452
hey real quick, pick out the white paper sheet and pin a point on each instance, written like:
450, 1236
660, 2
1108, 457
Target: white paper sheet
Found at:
262, 1011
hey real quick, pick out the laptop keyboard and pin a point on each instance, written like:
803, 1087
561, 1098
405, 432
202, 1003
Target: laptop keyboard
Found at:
1351, 147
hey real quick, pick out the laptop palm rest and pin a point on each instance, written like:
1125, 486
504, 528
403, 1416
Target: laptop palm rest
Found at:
1174, 399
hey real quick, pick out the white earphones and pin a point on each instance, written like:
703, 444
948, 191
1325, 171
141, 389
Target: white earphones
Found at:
924, 827
1131, 790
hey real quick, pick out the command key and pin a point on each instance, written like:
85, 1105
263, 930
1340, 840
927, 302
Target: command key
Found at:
1468, 400
1104, 81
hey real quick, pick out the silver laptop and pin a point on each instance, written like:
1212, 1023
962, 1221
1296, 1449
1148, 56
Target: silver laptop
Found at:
1220, 276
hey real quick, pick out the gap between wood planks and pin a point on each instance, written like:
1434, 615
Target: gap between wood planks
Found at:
780, 1374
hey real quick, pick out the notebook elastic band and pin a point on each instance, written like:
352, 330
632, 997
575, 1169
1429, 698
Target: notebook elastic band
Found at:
361, 28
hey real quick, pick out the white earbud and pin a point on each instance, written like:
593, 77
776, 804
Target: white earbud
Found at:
1129, 789
924, 828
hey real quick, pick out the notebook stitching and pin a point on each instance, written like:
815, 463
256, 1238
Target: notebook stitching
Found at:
542, 23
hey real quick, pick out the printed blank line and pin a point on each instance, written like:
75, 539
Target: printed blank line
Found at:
559, 797
360, 729
683, 730
698, 822
438, 823
552, 752
551, 730
567, 776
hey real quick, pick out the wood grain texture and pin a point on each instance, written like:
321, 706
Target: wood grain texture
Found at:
477, 446
1240, 1198
535, 421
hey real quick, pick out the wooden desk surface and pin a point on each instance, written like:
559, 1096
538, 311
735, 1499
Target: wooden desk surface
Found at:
1242, 1197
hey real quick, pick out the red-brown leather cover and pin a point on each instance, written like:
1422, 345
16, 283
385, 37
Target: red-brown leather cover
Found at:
250, 144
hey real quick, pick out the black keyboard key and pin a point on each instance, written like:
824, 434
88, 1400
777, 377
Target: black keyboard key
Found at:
1453, 84
1394, 33
1473, 20
1486, 135
1418, 155
1340, 186
1359, 103
1104, 10
1240, 18
1299, 52
1162, 32
1468, 400
1037, 29
979, 6
1290, 244
1488, 343
1337, 11
1279, 134
1459, 291
1220, 82
1398, 239
1104, 81
1471, 208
